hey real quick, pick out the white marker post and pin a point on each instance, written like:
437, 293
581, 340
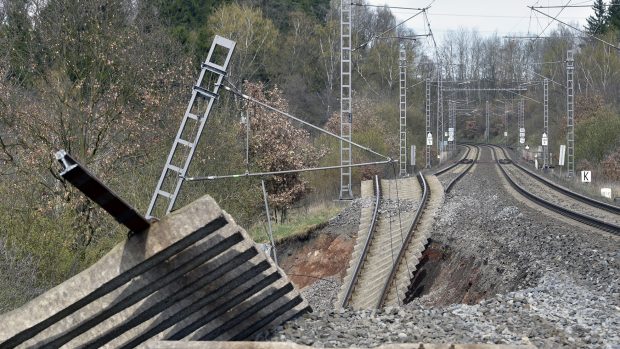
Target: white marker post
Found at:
606, 192
429, 139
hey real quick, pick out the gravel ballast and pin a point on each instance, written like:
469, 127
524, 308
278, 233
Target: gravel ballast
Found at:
529, 279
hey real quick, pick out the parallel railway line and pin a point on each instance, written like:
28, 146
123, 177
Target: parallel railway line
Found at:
457, 170
570, 205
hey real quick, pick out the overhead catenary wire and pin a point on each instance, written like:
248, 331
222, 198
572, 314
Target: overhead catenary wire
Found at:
267, 106
388, 30
579, 30
548, 24
572, 6
273, 173
390, 7
545, 77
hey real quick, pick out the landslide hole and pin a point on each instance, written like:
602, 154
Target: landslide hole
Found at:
447, 276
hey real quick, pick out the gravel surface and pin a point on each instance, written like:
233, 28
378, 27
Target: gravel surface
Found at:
534, 280
351, 214
390, 207
322, 294
551, 195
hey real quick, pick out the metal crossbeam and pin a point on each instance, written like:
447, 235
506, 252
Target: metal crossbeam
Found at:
346, 106
88, 184
403, 111
204, 94
570, 116
485, 89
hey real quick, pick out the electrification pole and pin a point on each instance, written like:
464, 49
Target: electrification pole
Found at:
521, 111
403, 111
545, 136
451, 112
346, 117
505, 123
486, 130
428, 123
570, 117
439, 115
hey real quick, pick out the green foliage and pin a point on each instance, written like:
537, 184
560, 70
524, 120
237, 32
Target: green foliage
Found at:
256, 39
597, 136
18, 277
299, 222
605, 19
278, 10
613, 15
597, 22
53, 239
188, 22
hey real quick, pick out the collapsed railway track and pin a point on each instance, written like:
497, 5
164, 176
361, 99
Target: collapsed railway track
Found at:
457, 170
389, 244
549, 195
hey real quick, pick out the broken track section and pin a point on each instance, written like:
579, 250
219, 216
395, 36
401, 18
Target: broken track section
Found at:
390, 258
195, 275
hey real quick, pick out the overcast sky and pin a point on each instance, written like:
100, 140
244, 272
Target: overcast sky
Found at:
488, 16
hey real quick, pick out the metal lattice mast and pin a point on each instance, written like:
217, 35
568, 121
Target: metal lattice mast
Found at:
570, 117
521, 121
403, 111
204, 94
454, 126
345, 99
545, 143
486, 130
439, 115
505, 123
428, 122
451, 111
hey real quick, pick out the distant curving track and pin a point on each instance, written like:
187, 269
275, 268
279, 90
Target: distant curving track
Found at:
385, 259
558, 199
449, 168
456, 171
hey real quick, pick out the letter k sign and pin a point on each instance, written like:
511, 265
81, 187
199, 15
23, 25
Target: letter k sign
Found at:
586, 176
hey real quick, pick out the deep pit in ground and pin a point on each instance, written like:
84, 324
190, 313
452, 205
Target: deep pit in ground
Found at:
444, 275
447, 276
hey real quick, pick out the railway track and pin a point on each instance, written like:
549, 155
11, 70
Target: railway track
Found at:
452, 166
390, 242
563, 201
457, 170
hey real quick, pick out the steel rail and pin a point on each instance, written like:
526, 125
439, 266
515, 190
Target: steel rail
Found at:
579, 197
460, 175
401, 254
594, 222
362, 258
440, 172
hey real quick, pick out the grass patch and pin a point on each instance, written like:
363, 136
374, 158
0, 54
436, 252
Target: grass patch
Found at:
301, 221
